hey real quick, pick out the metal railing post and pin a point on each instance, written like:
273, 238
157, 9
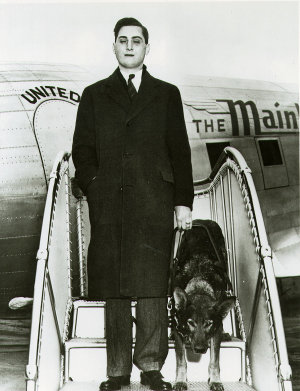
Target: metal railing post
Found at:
82, 272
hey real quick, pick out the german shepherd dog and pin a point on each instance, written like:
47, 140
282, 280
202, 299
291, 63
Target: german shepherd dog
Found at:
200, 299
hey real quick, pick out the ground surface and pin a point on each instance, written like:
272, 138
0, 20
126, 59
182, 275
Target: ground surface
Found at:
14, 343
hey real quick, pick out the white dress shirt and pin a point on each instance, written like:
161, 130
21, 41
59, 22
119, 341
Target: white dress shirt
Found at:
136, 80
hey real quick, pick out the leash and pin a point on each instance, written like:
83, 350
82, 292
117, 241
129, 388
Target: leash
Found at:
174, 260
174, 321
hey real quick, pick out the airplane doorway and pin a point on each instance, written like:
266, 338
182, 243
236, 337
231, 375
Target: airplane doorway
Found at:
214, 150
54, 123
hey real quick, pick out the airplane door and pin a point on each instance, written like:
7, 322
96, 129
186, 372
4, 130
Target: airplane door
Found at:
54, 122
272, 162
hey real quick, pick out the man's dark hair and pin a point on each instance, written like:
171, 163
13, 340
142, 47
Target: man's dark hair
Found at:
130, 22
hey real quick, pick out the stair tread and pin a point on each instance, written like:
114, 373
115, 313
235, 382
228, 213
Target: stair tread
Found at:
136, 386
87, 341
235, 342
91, 303
87, 303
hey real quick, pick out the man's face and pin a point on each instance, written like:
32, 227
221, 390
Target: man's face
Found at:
130, 47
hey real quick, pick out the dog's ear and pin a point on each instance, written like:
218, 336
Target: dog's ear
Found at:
226, 306
180, 298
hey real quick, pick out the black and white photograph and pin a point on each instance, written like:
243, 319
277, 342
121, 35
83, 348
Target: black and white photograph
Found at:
149, 195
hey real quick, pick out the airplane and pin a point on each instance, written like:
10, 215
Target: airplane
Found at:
37, 117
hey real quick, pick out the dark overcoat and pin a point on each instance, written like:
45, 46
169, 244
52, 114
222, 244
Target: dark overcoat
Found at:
133, 162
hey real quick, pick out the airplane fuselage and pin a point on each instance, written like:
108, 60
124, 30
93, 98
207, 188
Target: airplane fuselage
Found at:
38, 111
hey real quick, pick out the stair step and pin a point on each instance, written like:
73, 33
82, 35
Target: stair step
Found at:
88, 319
85, 360
136, 386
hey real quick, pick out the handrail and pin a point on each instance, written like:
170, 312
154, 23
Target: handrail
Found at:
227, 158
42, 275
48, 211
227, 152
81, 247
266, 254
80, 198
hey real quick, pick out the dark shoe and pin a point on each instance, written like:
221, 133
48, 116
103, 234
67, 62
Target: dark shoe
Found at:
154, 380
114, 383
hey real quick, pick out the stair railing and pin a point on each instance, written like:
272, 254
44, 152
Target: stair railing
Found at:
228, 196
83, 235
52, 289
234, 205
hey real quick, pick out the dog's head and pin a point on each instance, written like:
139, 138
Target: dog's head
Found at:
200, 317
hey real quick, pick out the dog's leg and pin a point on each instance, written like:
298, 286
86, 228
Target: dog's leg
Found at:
214, 364
181, 380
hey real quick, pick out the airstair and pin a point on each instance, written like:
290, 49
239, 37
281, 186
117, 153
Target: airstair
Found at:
67, 343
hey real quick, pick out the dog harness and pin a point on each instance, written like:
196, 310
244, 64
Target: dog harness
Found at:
180, 325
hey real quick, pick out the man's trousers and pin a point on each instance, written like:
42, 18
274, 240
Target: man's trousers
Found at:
151, 347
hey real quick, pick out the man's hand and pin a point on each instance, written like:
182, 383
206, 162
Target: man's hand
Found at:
77, 192
183, 217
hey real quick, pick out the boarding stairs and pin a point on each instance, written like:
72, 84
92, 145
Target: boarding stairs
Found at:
67, 343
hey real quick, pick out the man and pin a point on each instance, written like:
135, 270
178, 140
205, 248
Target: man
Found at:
133, 162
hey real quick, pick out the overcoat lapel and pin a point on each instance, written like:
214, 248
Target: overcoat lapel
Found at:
117, 92
147, 92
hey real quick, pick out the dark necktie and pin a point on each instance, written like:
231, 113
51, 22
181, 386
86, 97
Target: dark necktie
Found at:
131, 88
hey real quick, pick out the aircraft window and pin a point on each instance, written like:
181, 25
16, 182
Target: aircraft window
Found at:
270, 152
214, 150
